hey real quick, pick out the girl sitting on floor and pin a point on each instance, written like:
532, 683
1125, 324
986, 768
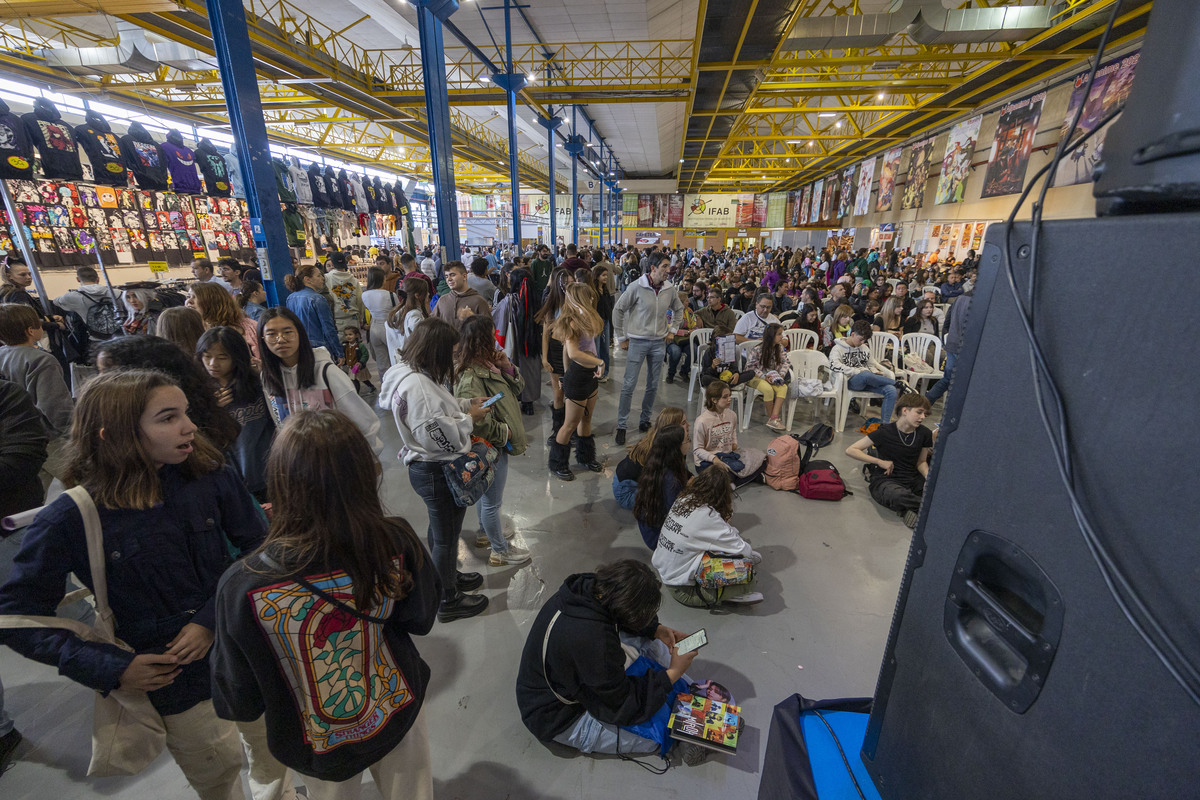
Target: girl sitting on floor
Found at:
629, 470
714, 437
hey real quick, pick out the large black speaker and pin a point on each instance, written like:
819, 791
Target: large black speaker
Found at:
1010, 670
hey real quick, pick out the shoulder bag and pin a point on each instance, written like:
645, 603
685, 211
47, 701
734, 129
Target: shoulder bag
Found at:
127, 731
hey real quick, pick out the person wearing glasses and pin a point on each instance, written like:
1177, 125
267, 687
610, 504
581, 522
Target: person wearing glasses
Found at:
751, 326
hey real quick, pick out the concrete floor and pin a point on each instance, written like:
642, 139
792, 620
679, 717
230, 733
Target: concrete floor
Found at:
830, 574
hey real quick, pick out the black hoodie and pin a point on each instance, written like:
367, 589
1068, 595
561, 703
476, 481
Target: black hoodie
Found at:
586, 664
347, 191
372, 200
16, 149
332, 188
145, 158
317, 184
103, 150
382, 198
214, 169
54, 140
327, 658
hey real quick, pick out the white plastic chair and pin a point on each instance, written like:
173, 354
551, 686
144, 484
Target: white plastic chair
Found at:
892, 282
738, 314
807, 364
698, 340
920, 343
800, 339
744, 394
879, 345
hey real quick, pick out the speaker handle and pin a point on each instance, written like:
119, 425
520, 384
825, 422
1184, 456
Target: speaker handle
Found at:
1003, 616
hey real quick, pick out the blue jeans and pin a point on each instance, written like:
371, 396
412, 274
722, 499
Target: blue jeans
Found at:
445, 520
867, 381
589, 735
489, 505
939, 388
603, 351
679, 352
651, 351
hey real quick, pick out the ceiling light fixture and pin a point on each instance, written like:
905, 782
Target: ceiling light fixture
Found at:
837, 124
827, 114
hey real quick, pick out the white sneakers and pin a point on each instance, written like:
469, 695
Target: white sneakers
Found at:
747, 599
511, 557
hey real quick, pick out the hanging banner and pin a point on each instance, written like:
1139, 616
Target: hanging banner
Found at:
887, 178
956, 164
918, 174
1009, 158
710, 210
674, 211
662, 210
792, 215
817, 200
805, 204
829, 205
760, 210
1110, 90
776, 206
846, 201
645, 210
745, 211
862, 194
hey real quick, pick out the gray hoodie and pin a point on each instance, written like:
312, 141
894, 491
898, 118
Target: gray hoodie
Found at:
40, 374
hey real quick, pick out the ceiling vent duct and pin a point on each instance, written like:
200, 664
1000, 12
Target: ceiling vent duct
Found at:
133, 54
926, 21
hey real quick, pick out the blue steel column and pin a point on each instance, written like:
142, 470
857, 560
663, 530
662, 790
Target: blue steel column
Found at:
430, 14
574, 147
551, 125
512, 83
604, 205
231, 41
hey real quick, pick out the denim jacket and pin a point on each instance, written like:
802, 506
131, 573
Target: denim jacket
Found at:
162, 567
317, 319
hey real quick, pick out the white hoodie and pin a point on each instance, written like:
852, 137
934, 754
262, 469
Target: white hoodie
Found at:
432, 422
685, 538
333, 389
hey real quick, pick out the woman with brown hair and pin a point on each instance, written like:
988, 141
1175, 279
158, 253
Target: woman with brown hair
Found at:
625, 477
181, 326
407, 315
435, 428
169, 509
663, 477
702, 559
577, 326
604, 307
218, 309
772, 373
334, 571
314, 312
552, 347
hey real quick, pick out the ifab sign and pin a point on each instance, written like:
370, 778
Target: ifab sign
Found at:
704, 210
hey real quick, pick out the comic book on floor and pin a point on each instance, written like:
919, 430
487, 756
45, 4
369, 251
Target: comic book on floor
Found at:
705, 722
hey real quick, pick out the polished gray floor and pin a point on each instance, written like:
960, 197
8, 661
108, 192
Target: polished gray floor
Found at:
830, 575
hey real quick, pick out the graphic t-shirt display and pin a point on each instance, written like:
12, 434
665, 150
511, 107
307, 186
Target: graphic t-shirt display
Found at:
181, 162
16, 148
213, 168
103, 150
145, 158
55, 141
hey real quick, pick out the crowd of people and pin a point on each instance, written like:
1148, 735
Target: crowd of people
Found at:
212, 417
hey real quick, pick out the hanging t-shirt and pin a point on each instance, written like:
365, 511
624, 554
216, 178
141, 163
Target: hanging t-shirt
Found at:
16, 148
372, 200
360, 195
181, 162
55, 142
903, 450
213, 168
332, 188
237, 187
304, 194
293, 227
145, 158
103, 151
347, 190
316, 183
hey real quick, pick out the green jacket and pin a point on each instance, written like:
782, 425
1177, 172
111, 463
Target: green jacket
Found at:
541, 274
504, 423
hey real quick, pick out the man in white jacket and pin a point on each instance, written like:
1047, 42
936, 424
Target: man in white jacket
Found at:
647, 314
852, 358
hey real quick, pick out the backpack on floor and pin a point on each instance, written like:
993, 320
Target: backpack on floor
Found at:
783, 464
821, 481
818, 436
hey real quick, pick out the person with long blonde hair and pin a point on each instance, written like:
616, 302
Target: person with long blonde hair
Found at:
577, 327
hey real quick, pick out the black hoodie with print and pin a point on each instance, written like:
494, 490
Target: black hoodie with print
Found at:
383, 198
145, 158
317, 183
213, 167
103, 150
333, 189
54, 140
181, 161
16, 148
347, 191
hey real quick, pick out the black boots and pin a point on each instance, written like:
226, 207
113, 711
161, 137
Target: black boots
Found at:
585, 453
560, 454
461, 606
557, 417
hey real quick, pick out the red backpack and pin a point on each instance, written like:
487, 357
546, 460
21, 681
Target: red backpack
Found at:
783, 464
821, 481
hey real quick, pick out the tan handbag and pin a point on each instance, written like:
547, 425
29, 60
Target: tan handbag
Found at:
127, 732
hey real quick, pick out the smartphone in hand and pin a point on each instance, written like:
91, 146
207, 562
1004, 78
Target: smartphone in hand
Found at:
693, 642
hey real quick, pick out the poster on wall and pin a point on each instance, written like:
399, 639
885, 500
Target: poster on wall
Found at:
629, 210
710, 210
918, 174
817, 199
645, 209
661, 208
792, 216
760, 210
1009, 158
846, 201
776, 206
829, 204
805, 203
745, 210
977, 236
956, 164
1110, 90
675, 211
887, 178
862, 194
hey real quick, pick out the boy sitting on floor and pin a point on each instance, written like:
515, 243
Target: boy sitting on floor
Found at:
898, 470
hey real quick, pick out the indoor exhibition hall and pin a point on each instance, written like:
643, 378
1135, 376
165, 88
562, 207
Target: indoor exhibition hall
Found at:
565, 400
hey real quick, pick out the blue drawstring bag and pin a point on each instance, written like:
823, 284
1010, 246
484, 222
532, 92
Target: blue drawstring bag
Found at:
655, 728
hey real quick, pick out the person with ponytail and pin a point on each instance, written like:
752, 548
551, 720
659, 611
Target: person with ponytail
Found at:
305, 301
